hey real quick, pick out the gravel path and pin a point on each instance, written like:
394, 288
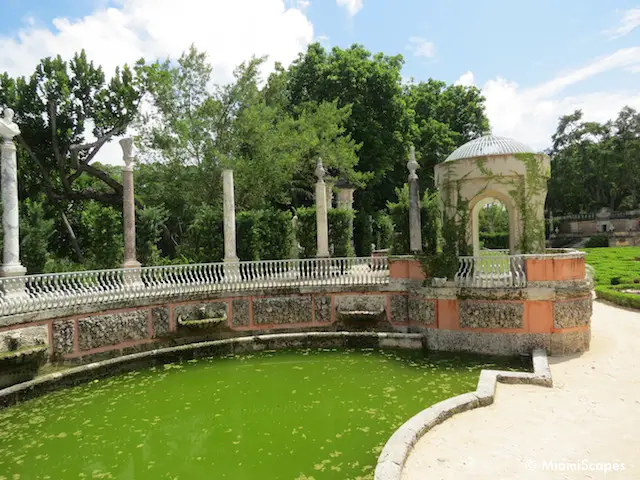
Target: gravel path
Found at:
584, 425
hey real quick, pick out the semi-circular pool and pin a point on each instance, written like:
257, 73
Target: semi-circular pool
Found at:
310, 414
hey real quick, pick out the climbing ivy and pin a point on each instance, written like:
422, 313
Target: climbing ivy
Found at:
525, 192
451, 236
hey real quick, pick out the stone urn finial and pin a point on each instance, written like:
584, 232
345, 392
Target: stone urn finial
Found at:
412, 164
127, 150
320, 171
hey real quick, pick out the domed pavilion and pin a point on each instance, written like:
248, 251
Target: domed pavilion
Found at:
493, 168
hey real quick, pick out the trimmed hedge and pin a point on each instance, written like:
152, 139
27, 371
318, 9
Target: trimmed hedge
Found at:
263, 235
339, 231
495, 240
597, 241
615, 295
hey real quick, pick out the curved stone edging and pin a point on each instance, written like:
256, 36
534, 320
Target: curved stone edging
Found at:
53, 381
396, 451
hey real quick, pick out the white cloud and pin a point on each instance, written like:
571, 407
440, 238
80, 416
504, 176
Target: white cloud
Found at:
230, 31
421, 47
531, 114
352, 6
466, 79
628, 23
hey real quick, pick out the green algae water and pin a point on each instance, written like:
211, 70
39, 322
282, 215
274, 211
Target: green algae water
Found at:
310, 414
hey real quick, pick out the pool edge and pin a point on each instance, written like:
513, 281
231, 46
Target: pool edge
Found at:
20, 392
397, 449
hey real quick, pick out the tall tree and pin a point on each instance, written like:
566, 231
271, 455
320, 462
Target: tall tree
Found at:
57, 107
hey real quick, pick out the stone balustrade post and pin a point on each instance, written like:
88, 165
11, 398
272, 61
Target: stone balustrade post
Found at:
415, 223
11, 266
322, 223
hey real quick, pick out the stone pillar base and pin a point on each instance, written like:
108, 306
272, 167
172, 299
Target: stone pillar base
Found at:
132, 275
14, 284
15, 270
232, 269
131, 264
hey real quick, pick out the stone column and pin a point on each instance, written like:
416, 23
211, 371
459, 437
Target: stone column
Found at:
330, 185
229, 217
11, 266
345, 200
322, 223
415, 228
128, 205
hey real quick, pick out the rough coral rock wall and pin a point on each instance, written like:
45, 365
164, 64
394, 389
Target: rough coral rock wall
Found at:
399, 309
112, 329
491, 315
160, 319
201, 311
572, 313
62, 337
282, 310
360, 303
240, 309
24, 337
421, 311
322, 307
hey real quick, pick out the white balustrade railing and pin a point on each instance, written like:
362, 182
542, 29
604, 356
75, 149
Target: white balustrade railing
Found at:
33, 293
491, 271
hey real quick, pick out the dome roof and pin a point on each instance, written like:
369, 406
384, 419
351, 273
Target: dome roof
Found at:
489, 145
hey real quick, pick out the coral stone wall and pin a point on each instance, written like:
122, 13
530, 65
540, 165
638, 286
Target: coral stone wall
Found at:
553, 312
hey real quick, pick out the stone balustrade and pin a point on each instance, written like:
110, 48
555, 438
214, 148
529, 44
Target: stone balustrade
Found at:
67, 290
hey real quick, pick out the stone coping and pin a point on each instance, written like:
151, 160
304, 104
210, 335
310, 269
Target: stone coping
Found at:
84, 373
397, 449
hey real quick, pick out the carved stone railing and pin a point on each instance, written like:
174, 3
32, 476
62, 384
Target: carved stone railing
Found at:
32, 293
491, 271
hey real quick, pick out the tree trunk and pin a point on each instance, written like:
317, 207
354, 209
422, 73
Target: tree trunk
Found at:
72, 237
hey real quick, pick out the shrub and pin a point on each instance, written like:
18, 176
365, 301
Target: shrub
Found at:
613, 294
103, 242
204, 241
340, 231
363, 235
35, 233
306, 231
382, 230
597, 241
429, 221
150, 223
273, 234
246, 244
495, 240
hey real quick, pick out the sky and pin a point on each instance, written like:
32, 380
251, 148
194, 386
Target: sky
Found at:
534, 61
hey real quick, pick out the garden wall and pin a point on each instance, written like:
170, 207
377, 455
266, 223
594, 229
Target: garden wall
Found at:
553, 312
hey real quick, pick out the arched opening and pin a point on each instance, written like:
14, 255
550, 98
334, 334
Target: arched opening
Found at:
492, 225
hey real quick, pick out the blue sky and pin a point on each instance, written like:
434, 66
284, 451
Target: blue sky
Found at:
534, 60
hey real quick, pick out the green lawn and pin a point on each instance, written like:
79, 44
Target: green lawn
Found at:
622, 262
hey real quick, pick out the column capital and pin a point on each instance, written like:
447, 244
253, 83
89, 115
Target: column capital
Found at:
127, 152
